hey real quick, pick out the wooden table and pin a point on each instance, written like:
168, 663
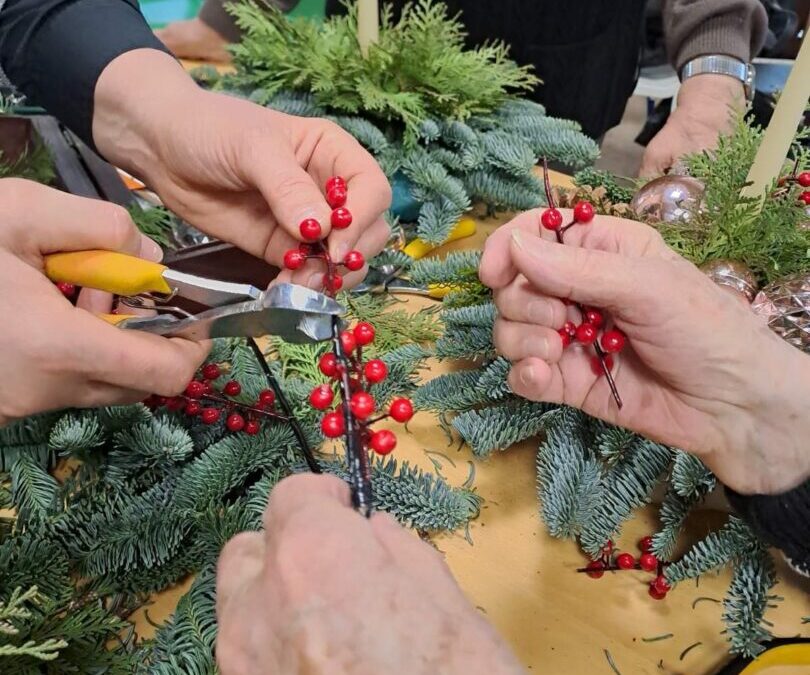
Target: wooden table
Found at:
559, 622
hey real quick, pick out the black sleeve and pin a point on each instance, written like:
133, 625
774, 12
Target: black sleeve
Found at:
781, 520
54, 51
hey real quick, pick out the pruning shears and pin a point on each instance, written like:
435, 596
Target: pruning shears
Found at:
390, 279
294, 313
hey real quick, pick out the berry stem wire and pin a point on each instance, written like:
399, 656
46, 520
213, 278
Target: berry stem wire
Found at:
356, 457
600, 353
281, 397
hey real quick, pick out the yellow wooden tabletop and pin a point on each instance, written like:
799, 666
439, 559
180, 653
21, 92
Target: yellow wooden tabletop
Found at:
557, 621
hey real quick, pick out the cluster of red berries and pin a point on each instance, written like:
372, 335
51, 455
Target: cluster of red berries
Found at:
610, 561
314, 248
361, 404
67, 289
587, 332
202, 398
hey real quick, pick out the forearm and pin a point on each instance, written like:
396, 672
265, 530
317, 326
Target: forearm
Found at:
696, 27
139, 94
55, 50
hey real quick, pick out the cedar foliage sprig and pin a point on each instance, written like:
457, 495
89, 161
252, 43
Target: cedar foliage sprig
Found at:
419, 70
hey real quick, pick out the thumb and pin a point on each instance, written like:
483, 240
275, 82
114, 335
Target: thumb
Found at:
290, 192
46, 220
586, 276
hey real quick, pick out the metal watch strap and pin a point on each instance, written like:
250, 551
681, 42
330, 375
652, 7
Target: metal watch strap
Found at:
719, 64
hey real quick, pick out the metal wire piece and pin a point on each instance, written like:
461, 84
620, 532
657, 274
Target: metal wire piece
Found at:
356, 456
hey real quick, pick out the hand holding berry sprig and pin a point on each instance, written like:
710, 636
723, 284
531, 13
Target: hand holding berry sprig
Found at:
698, 371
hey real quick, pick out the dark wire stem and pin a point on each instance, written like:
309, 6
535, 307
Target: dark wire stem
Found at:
236, 405
281, 397
600, 353
356, 456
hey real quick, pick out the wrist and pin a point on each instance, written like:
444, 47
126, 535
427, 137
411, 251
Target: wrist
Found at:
772, 430
139, 96
712, 90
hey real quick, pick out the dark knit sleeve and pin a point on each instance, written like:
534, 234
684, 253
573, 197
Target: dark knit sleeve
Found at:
781, 520
54, 51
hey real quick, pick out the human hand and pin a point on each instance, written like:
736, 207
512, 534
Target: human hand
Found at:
194, 39
240, 172
699, 371
324, 590
704, 112
54, 355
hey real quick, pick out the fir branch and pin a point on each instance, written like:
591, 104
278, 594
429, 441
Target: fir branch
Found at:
437, 218
627, 486
595, 178
746, 601
493, 381
690, 477
76, 432
450, 392
154, 222
502, 190
34, 164
500, 426
33, 490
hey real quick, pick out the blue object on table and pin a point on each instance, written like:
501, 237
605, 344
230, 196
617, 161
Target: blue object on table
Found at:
403, 204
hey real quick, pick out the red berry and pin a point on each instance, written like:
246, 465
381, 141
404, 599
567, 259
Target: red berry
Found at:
294, 258
176, 403
332, 282
252, 427
354, 261
586, 333
332, 425
375, 371
660, 584
804, 178
364, 333
159, 401
195, 389
211, 371
341, 218
570, 327
348, 341
193, 408
209, 415
613, 341
67, 289
805, 197
267, 397
401, 410
655, 593
596, 364
625, 561
208, 389
362, 405
232, 388
383, 442
235, 422
310, 229
645, 544
354, 383
596, 569
328, 364
551, 219
565, 337
648, 562
336, 196
335, 181
583, 212
321, 397
594, 317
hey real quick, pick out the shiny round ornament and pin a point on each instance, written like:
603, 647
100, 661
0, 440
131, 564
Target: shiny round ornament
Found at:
733, 275
668, 199
785, 305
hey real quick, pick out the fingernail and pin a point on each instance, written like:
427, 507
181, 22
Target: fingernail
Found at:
527, 376
517, 237
150, 250
340, 252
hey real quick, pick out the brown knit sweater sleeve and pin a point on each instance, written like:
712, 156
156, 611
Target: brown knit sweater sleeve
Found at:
696, 27
214, 15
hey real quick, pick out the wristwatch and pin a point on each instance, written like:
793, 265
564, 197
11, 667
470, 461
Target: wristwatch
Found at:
719, 64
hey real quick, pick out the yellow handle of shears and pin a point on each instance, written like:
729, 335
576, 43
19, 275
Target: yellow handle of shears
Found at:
419, 249
107, 271
783, 655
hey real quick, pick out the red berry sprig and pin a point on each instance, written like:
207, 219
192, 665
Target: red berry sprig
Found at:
361, 404
314, 248
203, 399
611, 561
587, 332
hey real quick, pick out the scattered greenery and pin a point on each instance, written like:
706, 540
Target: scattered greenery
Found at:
34, 164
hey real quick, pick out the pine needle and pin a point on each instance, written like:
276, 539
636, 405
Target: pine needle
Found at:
704, 598
688, 649
658, 638
611, 663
